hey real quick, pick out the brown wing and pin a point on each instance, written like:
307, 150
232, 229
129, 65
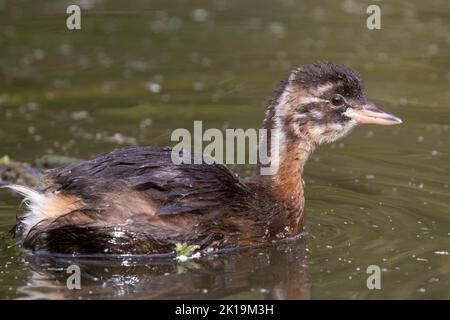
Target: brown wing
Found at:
152, 176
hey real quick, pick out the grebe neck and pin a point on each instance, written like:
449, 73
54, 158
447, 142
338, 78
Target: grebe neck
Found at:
287, 160
287, 152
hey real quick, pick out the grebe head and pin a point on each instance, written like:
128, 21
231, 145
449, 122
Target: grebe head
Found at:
321, 102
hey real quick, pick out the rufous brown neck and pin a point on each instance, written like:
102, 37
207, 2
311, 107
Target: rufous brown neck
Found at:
286, 181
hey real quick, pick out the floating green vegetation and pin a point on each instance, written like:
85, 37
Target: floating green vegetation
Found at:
12, 171
185, 250
52, 160
5, 160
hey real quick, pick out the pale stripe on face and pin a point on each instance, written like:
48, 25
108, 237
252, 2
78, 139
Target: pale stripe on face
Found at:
307, 100
320, 90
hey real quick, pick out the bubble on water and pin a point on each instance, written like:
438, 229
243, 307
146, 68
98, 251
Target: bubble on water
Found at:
403, 101
205, 61
62, 83
39, 54
198, 86
432, 49
79, 115
153, 87
442, 253
106, 86
422, 290
435, 153
422, 259
86, 4
3, 98
138, 65
162, 22
145, 123
370, 176
49, 95
319, 14
277, 29
200, 15
32, 106
83, 61
65, 49
420, 139
351, 6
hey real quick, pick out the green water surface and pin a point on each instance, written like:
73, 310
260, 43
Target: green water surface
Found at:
139, 69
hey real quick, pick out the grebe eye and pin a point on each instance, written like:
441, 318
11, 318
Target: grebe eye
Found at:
337, 100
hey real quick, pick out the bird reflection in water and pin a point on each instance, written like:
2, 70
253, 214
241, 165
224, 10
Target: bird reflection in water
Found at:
277, 272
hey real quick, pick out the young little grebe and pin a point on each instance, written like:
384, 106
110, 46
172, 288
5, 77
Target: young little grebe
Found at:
137, 201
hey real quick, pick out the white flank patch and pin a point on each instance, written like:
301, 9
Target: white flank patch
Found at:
35, 202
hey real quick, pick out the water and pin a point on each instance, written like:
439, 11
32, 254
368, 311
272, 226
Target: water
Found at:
135, 73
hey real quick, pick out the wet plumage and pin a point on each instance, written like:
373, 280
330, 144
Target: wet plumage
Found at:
137, 201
